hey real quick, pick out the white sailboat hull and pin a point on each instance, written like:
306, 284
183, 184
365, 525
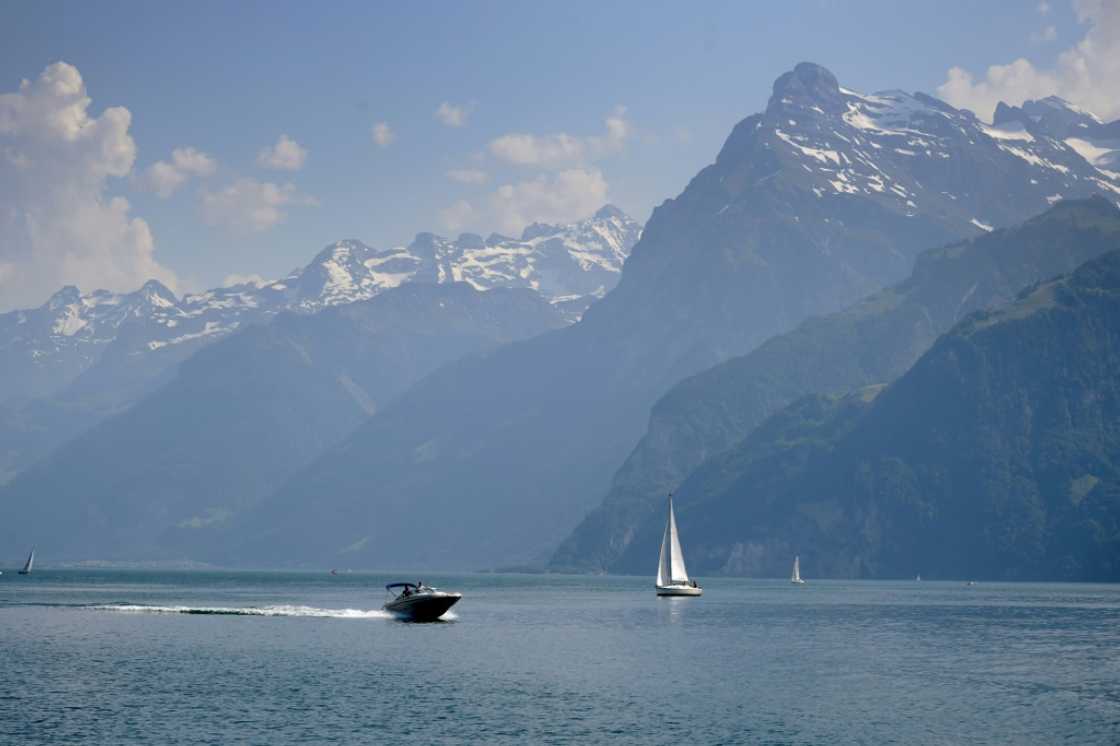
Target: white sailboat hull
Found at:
679, 590
798, 581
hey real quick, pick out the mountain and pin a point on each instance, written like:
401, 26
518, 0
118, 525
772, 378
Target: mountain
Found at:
46, 349
80, 358
170, 474
874, 341
823, 198
1096, 141
996, 457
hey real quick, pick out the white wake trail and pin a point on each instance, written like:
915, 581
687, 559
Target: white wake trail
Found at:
282, 610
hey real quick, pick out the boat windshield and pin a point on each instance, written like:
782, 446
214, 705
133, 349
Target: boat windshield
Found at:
408, 589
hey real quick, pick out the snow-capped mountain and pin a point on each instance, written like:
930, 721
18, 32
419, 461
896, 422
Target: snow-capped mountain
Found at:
915, 154
1097, 142
571, 265
44, 349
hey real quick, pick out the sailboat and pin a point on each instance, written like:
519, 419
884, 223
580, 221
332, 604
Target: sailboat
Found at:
795, 577
672, 577
30, 561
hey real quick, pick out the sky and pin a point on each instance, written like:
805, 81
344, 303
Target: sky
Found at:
219, 141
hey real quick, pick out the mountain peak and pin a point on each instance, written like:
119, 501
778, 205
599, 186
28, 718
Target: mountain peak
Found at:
64, 297
158, 294
534, 230
608, 211
808, 84
471, 241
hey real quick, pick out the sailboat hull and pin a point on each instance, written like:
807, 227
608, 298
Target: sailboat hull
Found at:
679, 590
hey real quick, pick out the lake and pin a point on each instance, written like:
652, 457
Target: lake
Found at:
159, 657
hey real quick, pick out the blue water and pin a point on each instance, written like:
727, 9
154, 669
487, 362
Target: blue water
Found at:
110, 657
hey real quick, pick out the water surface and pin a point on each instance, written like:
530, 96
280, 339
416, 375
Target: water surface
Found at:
130, 657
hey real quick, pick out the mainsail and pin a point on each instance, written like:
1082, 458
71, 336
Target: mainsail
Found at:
30, 561
796, 576
670, 566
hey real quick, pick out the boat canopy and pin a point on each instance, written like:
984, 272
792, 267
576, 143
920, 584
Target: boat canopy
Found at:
400, 585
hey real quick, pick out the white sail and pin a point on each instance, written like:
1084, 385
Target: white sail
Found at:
30, 561
796, 576
670, 566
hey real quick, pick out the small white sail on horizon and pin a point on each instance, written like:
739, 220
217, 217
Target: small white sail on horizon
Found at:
672, 576
30, 561
795, 576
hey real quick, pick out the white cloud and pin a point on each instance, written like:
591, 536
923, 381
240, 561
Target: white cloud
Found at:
1087, 74
458, 216
58, 224
285, 155
193, 161
556, 198
164, 177
451, 115
250, 279
251, 205
468, 175
561, 149
560, 197
1043, 8
538, 150
382, 134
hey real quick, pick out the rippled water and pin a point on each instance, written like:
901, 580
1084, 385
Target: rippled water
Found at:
199, 657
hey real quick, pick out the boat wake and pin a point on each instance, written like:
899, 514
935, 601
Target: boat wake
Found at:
291, 611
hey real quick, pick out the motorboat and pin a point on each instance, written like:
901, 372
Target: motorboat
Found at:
417, 602
672, 576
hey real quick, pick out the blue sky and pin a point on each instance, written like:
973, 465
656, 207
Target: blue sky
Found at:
621, 102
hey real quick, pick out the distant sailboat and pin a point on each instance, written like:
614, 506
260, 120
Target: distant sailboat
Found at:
672, 577
795, 578
30, 561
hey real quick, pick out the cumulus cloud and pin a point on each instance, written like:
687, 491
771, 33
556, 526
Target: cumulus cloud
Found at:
561, 197
248, 205
382, 134
250, 279
458, 216
550, 198
285, 155
1087, 74
451, 115
58, 224
468, 175
561, 149
165, 177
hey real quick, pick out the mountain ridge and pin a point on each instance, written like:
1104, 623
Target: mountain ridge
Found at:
570, 265
876, 340
994, 457
765, 236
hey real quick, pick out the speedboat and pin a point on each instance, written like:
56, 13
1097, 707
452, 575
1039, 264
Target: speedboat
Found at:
417, 602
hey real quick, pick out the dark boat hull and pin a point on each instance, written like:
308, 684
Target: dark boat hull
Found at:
422, 607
